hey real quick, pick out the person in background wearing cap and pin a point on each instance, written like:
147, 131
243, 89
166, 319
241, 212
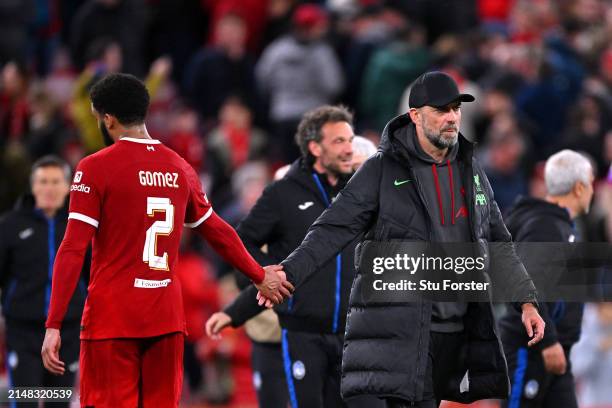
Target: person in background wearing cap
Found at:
297, 73
423, 184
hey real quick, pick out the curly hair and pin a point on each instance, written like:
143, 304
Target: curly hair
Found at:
313, 121
122, 95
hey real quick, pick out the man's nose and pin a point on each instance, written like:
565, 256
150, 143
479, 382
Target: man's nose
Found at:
348, 148
452, 116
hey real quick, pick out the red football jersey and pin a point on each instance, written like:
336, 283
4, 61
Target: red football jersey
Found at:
138, 194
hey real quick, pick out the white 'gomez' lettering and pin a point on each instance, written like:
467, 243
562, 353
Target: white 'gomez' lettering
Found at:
158, 179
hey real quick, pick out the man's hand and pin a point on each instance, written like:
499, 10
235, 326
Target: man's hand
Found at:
554, 359
50, 352
216, 323
275, 286
533, 322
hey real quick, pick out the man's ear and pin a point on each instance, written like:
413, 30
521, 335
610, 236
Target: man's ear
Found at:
414, 114
579, 189
314, 148
109, 121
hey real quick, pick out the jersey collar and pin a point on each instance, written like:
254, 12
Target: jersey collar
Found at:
143, 141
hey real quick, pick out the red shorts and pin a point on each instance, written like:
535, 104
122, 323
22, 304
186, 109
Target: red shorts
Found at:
132, 372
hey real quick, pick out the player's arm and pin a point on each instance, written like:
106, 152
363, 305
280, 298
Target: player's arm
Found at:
84, 213
67, 269
225, 241
66, 272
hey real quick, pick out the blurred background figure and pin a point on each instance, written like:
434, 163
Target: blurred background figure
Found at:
389, 72
221, 69
120, 21
29, 238
297, 73
592, 356
504, 156
230, 145
362, 149
200, 299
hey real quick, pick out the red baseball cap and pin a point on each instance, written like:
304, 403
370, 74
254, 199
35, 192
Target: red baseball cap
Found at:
309, 15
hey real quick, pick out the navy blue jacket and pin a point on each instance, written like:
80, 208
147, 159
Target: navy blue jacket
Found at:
28, 244
280, 219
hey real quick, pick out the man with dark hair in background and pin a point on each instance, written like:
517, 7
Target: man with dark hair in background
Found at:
313, 321
133, 198
29, 238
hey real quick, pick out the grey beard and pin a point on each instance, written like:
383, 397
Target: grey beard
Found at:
439, 141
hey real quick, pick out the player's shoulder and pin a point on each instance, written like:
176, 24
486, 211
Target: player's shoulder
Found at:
177, 160
94, 161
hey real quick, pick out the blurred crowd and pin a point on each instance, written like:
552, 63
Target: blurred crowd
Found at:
230, 80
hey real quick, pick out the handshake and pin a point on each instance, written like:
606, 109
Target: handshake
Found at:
275, 287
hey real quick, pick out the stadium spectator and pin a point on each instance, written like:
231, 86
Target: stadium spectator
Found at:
592, 356
106, 58
14, 124
120, 21
389, 72
29, 238
15, 16
363, 149
231, 144
296, 73
503, 158
200, 299
47, 133
223, 69
14, 104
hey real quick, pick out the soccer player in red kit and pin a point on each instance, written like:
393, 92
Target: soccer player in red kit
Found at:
133, 199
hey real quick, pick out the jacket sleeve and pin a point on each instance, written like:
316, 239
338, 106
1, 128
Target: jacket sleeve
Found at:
348, 216
244, 307
539, 230
260, 225
507, 270
550, 333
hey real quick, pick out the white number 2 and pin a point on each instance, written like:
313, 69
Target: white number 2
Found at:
160, 227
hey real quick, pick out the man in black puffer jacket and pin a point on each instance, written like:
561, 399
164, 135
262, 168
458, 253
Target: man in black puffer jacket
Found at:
541, 375
422, 185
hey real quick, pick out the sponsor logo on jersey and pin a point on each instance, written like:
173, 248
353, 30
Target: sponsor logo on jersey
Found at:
151, 284
77, 176
158, 179
80, 187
